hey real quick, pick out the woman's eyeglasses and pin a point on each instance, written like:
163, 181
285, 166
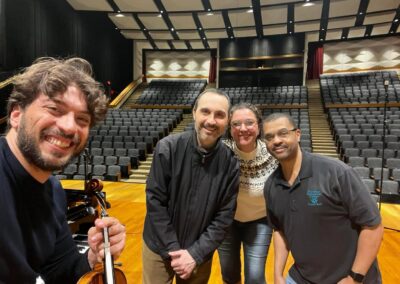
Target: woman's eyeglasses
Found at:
248, 123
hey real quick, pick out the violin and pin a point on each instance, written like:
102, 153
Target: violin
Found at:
106, 272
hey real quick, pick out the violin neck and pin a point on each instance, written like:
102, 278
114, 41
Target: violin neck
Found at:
108, 259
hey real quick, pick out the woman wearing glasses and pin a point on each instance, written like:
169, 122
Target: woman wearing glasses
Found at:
250, 226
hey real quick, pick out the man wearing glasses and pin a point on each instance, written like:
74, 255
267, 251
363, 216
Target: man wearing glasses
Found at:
320, 212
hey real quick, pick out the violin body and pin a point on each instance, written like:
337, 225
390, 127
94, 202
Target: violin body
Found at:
96, 276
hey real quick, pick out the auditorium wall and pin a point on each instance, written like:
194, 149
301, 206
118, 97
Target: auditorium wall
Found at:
177, 64
362, 55
35, 28
269, 61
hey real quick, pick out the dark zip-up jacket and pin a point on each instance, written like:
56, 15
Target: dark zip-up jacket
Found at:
190, 197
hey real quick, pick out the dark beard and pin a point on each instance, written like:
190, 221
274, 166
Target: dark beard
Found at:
31, 152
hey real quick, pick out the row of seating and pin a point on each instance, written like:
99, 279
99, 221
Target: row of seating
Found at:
364, 88
269, 95
172, 92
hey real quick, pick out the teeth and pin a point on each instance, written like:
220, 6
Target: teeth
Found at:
57, 142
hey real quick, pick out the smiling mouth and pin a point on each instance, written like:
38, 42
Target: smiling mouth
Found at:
58, 143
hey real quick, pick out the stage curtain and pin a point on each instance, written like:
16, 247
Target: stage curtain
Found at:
213, 68
315, 61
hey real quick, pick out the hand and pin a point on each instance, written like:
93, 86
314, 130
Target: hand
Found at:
347, 280
117, 236
182, 263
279, 280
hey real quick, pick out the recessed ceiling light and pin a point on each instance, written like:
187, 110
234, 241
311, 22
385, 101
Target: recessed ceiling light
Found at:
204, 38
290, 32
290, 21
321, 39
208, 9
360, 13
308, 4
199, 29
161, 11
322, 29
229, 27
172, 29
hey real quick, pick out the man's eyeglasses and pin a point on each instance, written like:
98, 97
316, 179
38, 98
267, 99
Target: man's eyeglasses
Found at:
248, 123
282, 134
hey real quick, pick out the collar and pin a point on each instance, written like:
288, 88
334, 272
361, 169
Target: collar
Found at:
306, 171
205, 154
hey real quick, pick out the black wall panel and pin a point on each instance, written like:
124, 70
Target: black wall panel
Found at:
244, 64
35, 28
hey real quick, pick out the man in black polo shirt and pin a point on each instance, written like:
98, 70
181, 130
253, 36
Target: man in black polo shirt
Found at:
320, 212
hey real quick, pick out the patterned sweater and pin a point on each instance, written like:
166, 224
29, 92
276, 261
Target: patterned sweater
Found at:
255, 168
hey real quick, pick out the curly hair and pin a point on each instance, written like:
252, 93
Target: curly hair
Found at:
52, 77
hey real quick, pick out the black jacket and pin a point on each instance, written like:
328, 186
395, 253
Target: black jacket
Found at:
35, 240
190, 197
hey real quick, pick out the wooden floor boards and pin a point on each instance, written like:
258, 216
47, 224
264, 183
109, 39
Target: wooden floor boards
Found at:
128, 205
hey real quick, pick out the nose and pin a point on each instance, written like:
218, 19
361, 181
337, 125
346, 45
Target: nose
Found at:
67, 123
211, 120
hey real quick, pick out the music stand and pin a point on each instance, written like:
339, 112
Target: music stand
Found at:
384, 124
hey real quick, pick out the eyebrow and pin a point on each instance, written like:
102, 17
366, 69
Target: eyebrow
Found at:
63, 104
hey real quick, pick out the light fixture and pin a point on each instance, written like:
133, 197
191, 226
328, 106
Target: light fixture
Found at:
161, 11
159, 15
249, 11
210, 14
290, 32
360, 13
322, 29
366, 34
290, 21
308, 3
229, 27
343, 37
172, 29
119, 15
321, 39
396, 20
199, 29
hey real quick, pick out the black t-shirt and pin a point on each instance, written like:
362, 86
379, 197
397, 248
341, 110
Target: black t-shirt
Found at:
321, 215
35, 240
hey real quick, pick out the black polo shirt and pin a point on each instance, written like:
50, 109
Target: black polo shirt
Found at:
320, 216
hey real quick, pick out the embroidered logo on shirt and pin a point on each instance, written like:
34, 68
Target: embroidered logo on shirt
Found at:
313, 195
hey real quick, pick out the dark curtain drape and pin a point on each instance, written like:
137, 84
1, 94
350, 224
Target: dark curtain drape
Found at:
315, 60
213, 67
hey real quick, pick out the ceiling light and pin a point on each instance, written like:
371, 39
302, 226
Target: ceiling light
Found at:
366, 34
343, 37
204, 38
159, 15
308, 4
290, 32
119, 15
229, 27
199, 29
172, 29
360, 13
210, 14
161, 11
290, 21
321, 39
249, 11
208, 9
322, 29
396, 20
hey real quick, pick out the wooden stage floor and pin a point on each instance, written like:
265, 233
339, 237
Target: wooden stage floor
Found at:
128, 205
